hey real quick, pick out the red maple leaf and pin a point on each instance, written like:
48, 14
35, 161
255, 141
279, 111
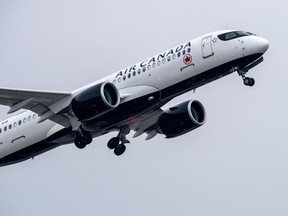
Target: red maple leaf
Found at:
187, 59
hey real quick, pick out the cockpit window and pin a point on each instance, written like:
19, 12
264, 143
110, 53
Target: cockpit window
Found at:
232, 35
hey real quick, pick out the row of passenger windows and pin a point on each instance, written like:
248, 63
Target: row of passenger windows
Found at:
149, 67
20, 122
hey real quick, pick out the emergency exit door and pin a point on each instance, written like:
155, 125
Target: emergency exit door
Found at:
206, 45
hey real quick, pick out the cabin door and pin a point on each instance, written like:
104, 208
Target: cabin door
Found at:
206, 45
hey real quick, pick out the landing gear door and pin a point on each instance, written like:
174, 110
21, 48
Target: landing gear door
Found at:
206, 46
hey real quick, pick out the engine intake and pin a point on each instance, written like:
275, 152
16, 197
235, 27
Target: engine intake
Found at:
95, 101
181, 119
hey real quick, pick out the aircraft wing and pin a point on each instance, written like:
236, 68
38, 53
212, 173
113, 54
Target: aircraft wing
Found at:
47, 104
147, 125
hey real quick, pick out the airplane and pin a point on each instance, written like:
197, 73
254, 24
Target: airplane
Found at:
128, 100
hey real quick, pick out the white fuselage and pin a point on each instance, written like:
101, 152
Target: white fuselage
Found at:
166, 74
22, 130
153, 74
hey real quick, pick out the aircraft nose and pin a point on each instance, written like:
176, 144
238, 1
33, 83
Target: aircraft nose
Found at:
263, 45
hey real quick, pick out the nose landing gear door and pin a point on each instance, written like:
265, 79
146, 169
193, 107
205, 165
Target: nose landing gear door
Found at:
206, 46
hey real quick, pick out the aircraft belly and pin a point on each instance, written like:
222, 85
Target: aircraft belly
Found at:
21, 137
125, 113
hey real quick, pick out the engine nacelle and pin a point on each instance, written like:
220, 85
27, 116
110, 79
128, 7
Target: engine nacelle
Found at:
181, 119
95, 101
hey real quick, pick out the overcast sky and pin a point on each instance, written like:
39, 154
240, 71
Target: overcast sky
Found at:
236, 164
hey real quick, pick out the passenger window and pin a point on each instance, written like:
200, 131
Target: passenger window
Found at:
129, 75
10, 126
178, 54
29, 118
119, 79
134, 73
15, 124
184, 52
19, 122
189, 50
159, 63
163, 61
149, 67
124, 77
168, 58
114, 81
0, 130
24, 120
174, 56
139, 71
144, 69
5, 128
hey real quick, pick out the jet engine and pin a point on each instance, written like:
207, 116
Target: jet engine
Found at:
181, 119
95, 101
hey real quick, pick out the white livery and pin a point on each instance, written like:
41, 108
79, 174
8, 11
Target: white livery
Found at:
128, 100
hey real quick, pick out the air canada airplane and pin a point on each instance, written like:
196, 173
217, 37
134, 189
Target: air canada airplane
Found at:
128, 100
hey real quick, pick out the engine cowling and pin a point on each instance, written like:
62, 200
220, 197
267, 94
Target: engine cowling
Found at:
95, 101
181, 119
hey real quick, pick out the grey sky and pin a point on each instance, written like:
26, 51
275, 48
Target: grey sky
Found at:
236, 164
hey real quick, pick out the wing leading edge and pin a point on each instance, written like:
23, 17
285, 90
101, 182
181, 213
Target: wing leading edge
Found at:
47, 104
